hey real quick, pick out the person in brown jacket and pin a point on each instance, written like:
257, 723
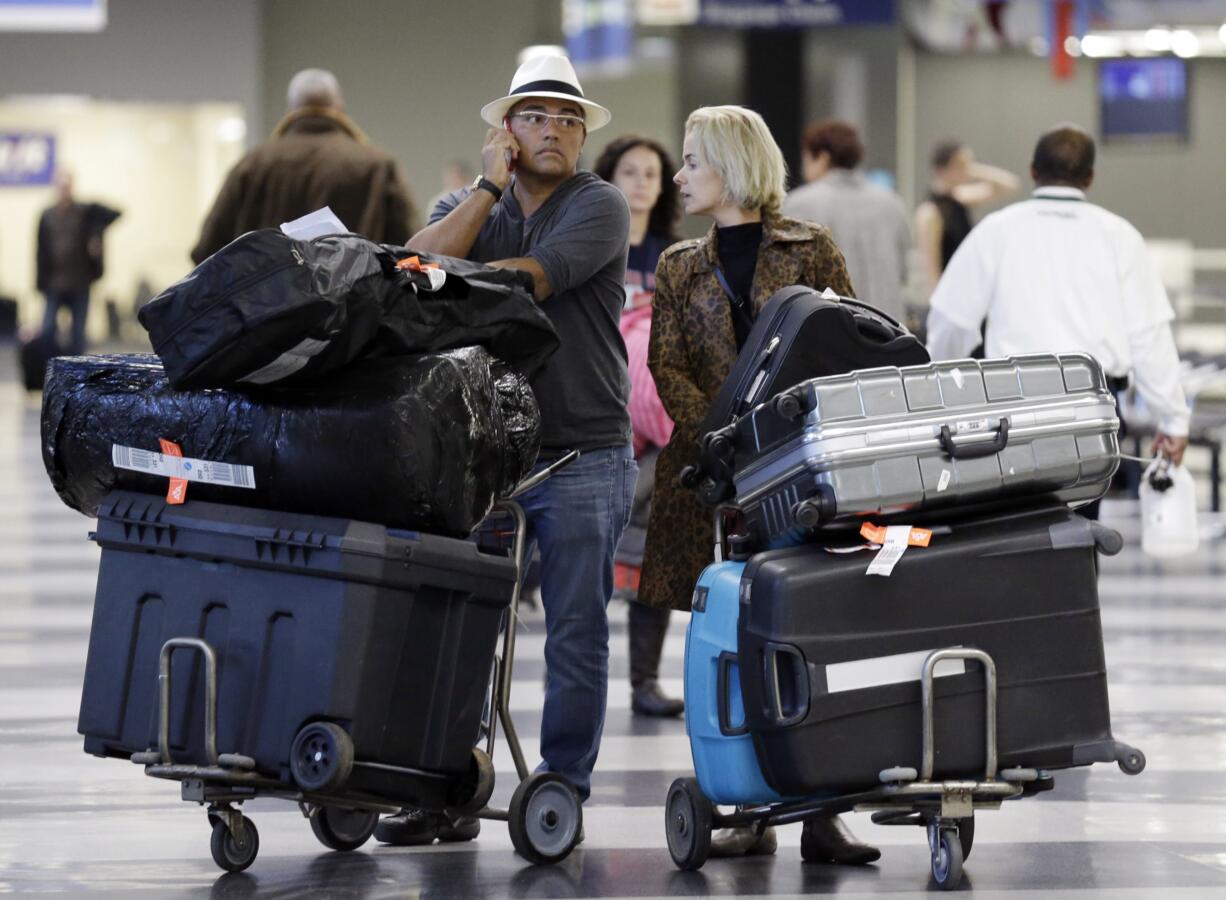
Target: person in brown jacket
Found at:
733, 171
317, 156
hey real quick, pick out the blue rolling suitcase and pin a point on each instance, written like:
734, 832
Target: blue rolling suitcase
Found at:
724, 758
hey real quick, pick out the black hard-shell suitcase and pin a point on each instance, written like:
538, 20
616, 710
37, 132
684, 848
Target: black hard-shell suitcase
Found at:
389, 635
800, 334
831, 657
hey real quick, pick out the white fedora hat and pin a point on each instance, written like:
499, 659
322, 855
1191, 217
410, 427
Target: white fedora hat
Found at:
546, 75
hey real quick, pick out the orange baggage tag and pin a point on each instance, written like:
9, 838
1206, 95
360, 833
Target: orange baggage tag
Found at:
918, 537
177, 492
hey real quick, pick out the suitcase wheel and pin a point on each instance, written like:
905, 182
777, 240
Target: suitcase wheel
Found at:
687, 824
477, 787
321, 757
343, 829
545, 818
789, 407
1131, 761
947, 856
232, 852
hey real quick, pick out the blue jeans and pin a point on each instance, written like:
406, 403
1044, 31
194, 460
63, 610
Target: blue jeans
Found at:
78, 303
577, 517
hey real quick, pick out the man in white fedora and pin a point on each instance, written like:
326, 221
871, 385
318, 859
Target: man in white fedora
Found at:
532, 210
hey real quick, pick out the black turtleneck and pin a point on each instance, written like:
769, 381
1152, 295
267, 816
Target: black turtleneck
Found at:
736, 246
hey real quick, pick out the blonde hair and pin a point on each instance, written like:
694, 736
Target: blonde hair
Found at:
739, 146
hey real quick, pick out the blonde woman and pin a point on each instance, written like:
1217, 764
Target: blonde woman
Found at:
708, 292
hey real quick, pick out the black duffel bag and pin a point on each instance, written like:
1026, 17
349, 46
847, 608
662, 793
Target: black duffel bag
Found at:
271, 309
426, 442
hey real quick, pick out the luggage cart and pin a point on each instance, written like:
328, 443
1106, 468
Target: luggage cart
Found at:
545, 816
945, 809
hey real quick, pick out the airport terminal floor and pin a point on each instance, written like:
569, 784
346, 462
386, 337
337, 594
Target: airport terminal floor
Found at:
76, 825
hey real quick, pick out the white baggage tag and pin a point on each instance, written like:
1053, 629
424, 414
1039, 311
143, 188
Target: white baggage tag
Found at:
202, 470
895, 544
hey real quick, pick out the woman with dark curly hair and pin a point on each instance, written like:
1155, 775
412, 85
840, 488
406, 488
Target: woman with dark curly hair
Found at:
639, 168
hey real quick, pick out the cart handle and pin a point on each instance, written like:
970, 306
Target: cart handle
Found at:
989, 693
210, 697
533, 480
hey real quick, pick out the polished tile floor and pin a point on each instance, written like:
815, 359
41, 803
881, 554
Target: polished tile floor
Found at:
73, 824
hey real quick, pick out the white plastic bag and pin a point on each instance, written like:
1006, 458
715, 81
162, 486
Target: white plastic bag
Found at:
1168, 510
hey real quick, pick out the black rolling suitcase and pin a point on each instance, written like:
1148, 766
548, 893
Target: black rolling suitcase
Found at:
831, 658
33, 355
316, 623
800, 334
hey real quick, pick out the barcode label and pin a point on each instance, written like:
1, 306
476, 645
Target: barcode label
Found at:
202, 470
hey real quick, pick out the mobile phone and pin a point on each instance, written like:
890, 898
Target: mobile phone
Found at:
511, 156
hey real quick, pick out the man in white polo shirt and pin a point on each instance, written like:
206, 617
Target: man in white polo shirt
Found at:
1055, 274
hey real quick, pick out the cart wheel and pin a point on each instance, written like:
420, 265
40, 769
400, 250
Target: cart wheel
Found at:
966, 834
687, 824
545, 818
228, 851
321, 757
343, 829
947, 860
481, 777
1132, 762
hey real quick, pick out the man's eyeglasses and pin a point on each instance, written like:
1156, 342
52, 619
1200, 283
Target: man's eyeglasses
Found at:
538, 120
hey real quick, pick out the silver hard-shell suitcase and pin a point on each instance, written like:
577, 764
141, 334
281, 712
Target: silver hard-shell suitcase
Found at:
965, 433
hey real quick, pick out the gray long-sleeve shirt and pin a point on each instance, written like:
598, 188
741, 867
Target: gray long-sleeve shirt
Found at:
870, 226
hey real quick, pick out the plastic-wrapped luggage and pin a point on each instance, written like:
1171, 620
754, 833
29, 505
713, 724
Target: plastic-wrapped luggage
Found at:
968, 433
271, 309
830, 657
317, 624
426, 442
799, 334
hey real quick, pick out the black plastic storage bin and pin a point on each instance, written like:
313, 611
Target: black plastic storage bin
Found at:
830, 657
390, 635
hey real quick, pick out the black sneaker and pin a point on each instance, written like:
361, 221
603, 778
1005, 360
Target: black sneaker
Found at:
416, 828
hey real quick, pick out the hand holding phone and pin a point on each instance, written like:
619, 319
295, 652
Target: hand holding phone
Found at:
512, 153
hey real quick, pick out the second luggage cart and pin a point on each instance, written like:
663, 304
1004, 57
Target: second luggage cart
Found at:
300, 645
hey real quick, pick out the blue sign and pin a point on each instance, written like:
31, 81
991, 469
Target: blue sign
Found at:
599, 33
27, 159
795, 13
52, 15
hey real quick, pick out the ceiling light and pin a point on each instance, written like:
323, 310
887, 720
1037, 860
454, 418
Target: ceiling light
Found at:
231, 129
1185, 44
1072, 45
1158, 40
1099, 45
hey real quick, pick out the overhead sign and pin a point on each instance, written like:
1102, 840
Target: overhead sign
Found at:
795, 13
27, 159
599, 34
52, 15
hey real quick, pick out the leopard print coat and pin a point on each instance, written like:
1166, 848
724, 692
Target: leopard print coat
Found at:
691, 352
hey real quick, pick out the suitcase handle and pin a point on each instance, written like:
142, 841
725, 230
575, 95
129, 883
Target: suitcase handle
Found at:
976, 450
723, 696
786, 684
